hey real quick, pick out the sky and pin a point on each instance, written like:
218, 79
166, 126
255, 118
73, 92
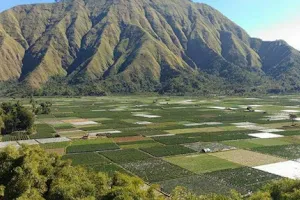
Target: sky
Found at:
266, 19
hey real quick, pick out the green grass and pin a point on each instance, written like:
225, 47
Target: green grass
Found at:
201, 163
167, 150
91, 147
155, 170
86, 159
125, 156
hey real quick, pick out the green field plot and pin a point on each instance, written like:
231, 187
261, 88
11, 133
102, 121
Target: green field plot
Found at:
92, 141
62, 126
254, 143
87, 159
244, 179
125, 156
139, 144
167, 150
286, 151
172, 140
15, 136
290, 132
241, 144
155, 170
43, 131
201, 163
91, 147
198, 184
269, 142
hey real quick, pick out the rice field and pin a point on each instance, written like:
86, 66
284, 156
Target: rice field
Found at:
207, 144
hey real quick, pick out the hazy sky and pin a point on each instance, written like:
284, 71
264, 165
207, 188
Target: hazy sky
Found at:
266, 19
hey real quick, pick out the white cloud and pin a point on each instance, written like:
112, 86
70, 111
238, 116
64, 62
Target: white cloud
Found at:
288, 30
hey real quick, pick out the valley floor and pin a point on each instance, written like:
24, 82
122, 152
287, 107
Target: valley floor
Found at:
206, 145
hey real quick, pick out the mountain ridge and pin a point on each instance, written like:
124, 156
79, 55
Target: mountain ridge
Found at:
138, 45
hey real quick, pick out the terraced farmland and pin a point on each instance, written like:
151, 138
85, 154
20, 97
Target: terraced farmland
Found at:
193, 142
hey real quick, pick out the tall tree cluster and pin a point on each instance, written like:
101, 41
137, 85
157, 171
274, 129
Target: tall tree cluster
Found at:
15, 117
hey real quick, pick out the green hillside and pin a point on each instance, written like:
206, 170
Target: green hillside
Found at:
138, 46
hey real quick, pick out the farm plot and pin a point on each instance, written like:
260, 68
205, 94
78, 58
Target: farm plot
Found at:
247, 158
269, 142
53, 140
155, 170
130, 139
244, 179
265, 135
139, 144
10, 143
288, 169
285, 151
15, 137
198, 184
201, 163
172, 140
80, 122
125, 156
167, 150
213, 147
28, 142
91, 147
86, 159
72, 133
43, 131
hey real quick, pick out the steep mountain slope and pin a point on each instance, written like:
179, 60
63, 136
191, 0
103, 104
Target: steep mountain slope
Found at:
140, 44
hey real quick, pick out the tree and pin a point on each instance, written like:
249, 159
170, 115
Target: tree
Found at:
16, 118
293, 118
31, 173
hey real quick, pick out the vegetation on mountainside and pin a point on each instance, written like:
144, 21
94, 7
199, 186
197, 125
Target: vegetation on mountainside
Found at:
31, 173
88, 47
14, 117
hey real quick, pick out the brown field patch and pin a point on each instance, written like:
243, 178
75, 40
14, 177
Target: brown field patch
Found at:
59, 151
247, 158
130, 139
204, 130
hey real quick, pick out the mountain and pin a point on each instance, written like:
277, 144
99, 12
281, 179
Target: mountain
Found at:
138, 45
